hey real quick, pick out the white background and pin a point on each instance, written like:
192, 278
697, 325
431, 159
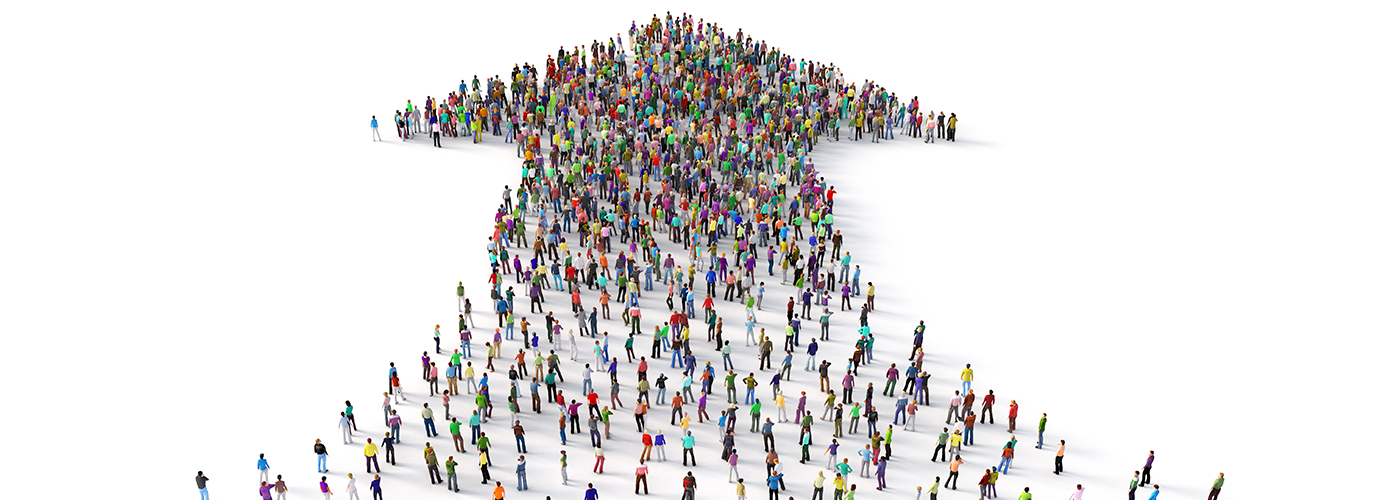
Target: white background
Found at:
1156, 227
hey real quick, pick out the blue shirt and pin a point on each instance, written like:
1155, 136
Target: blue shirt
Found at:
591, 494
374, 122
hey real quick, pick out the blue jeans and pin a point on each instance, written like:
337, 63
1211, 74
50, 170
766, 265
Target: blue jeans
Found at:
677, 360
1039, 440
205, 495
750, 396
396, 433
692, 312
900, 412
969, 435
520, 444
660, 399
587, 387
965, 387
320, 463
473, 431
1004, 464
521, 481
430, 428
726, 362
467, 349
563, 438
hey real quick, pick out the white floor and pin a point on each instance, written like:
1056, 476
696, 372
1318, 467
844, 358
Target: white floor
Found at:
1153, 228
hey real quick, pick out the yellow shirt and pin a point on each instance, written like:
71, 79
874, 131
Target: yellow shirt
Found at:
967, 375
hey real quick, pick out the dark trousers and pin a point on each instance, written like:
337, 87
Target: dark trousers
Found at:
1059, 468
688, 452
940, 448
951, 134
1146, 473
436, 135
952, 479
1213, 494
987, 410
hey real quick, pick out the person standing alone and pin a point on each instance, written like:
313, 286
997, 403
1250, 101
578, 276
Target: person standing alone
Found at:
200, 482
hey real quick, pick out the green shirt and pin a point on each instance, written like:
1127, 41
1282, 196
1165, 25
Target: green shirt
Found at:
1041, 426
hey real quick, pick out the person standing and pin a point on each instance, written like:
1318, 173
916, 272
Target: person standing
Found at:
521, 484
1079, 492
264, 490
1217, 486
941, 445
280, 487
200, 475
642, 472
1041, 428
951, 129
1060, 455
263, 468
987, 408
1132, 486
345, 428
453, 477
1012, 415
688, 442
432, 464
966, 377
1146, 469
428, 416
320, 456
376, 136
376, 487
954, 476
690, 486
325, 488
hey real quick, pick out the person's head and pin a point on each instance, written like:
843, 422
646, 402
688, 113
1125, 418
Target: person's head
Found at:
318, 441
1156, 486
1152, 452
260, 455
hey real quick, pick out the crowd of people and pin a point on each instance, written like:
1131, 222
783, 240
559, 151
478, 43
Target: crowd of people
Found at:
682, 153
